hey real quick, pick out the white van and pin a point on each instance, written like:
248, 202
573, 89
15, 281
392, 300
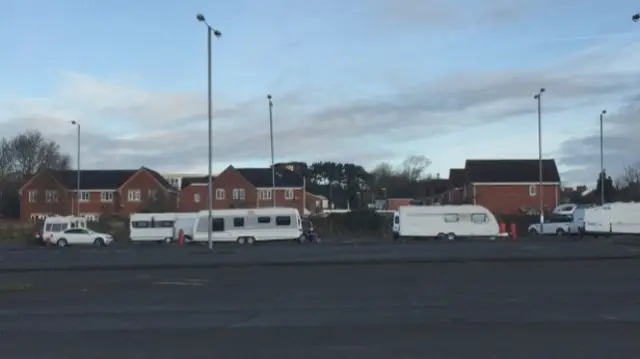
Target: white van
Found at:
153, 227
55, 225
250, 225
613, 218
395, 226
447, 221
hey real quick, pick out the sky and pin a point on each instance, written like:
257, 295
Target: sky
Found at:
362, 81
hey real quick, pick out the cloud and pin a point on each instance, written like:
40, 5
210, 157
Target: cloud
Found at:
127, 126
621, 147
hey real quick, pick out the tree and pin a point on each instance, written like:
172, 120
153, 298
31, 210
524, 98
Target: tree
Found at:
628, 184
32, 152
609, 189
161, 203
23, 156
413, 167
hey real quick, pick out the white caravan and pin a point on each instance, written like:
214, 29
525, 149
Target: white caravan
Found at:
447, 221
154, 227
613, 218
57, 224
250, 225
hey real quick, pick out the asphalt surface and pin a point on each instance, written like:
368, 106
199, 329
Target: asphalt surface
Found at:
224, 255
571, 309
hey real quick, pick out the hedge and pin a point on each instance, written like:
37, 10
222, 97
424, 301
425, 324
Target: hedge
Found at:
363, 222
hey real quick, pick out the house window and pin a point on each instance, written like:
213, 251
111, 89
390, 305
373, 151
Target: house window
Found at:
84, 196
532, 190
238, 193
133, 195
51, 196
152, 194
288, 194
33, 196
219, 193
265, 194
106, 196
196, 197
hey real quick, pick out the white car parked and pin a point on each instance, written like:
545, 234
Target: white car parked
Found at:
560, 225
74, 236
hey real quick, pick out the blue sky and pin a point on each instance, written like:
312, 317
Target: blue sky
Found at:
361, 81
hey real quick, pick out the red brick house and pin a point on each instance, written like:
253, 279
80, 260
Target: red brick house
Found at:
507, 186
120, 192
244, 188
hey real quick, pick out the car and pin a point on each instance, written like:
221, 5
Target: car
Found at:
73, 236
559, 225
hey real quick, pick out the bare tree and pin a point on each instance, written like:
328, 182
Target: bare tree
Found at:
32, 152
630, 175
7, 160
413, 167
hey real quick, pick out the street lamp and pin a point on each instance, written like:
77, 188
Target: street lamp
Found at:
636, 17
77, 124
273, 168
604, 112
538, 97
217, 34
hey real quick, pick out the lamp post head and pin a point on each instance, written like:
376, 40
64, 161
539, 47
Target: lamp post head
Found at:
604, 112
542, 90
269, 97
200, 17
217, 33
74, 123
636, 17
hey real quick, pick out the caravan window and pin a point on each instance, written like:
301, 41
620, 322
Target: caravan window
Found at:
264, 219
238, 222
283, 221
217, 225
479, 218
450, 218
164, 224
140, 224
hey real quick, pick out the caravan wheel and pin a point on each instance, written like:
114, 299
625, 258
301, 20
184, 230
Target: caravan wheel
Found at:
240, 240
251, 240
168, 240
451, 236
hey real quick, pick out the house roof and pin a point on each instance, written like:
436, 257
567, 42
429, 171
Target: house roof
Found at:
261, 177
93, 179
457, 177
510, 171
102, 179
163, 181
188, 181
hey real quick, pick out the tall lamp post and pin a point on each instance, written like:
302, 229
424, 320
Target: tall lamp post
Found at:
273, 168
538, 97
210, 31
604, 112
77, 124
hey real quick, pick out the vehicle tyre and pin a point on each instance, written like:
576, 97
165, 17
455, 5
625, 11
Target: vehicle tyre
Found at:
251, 240
62, 243
396, 236
533, 232
441, 236
241, 240
302, 238
168, 240
99, 242
451, 236
560, 232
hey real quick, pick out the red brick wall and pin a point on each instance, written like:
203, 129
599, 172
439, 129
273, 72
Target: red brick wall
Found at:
509, 199
142, 180
42, 182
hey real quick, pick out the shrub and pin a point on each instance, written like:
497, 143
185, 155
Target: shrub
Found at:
363, 222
